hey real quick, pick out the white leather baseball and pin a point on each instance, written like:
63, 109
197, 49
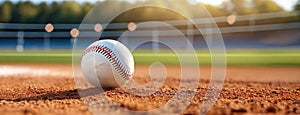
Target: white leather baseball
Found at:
107, 63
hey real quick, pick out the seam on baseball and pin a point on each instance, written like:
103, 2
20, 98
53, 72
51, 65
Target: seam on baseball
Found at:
115, 62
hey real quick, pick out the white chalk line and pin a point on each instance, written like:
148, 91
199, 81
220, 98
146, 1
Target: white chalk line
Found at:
8, 70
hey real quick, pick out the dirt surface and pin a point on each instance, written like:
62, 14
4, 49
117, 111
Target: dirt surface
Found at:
247, 90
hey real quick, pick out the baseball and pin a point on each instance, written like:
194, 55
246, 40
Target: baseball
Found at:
107, 63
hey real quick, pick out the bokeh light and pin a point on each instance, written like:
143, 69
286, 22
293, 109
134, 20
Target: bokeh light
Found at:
98, 27
49, 27
131, 26
74, 32
231, 19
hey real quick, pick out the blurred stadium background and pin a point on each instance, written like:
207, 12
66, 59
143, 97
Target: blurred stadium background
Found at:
262, 32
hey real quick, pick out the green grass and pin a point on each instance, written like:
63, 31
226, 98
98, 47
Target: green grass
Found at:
288, 57
36, 56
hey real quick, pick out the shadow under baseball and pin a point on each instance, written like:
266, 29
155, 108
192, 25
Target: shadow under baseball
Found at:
61, 95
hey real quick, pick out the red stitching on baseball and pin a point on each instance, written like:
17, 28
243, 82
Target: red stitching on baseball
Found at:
106, 52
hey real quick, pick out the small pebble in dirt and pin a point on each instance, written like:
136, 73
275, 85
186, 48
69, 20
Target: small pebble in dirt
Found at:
271, 109
239, 110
